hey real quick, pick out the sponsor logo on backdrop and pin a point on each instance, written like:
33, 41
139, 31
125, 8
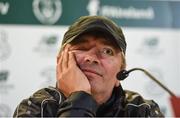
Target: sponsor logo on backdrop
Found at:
151, 87
4, 8
5, 49
47, 11
5, 87
93, 7
5, 110
48, 45
150, 46
49, 76
130, 12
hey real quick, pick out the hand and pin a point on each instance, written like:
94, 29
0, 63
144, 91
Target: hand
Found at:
69, 76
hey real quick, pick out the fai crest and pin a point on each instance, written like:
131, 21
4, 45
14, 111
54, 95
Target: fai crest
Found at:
4, 46
150, 46
47, 11
48, 45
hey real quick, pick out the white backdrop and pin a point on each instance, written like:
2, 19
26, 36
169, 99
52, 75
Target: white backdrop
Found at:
28, 61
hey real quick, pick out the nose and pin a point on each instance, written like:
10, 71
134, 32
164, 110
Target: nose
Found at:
92, 57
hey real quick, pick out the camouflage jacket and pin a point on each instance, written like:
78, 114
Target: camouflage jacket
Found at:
49, 102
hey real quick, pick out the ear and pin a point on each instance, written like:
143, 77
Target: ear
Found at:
117, 83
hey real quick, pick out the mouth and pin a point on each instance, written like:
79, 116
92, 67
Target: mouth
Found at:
91, 71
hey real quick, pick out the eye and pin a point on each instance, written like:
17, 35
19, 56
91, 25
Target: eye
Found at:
108, 51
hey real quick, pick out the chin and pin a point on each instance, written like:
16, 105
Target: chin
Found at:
94, 86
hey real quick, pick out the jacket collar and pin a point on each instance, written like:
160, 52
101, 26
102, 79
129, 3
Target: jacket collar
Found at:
114, 105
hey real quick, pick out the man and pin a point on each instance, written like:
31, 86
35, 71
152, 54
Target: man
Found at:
93, 52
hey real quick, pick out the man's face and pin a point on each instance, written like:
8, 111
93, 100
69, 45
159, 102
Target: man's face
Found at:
99, 60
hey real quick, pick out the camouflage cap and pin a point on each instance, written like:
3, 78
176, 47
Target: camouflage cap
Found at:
94, 23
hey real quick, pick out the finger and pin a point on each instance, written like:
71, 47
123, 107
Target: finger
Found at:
72, 60
59, 63
65, 59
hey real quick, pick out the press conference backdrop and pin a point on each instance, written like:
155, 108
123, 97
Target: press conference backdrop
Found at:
31, 32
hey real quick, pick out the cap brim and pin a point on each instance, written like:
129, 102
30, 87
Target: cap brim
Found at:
102, 28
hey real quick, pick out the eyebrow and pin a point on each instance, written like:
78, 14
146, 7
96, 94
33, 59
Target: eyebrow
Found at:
111, 44
107, 42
